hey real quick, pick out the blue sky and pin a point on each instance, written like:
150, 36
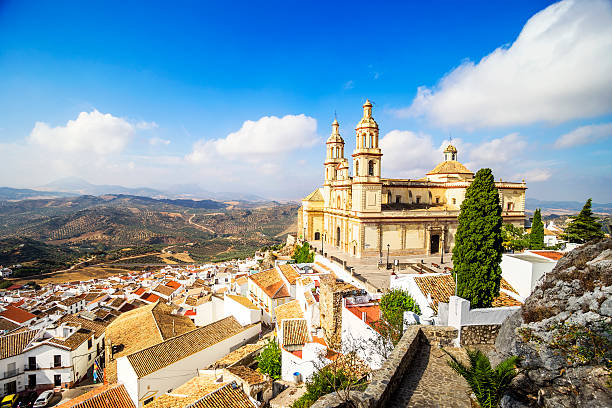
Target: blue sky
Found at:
241, 96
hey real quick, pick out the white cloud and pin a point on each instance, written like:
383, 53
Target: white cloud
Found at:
146, 125
558, 69
533, 175
409, 154
155, 141
498, 151
349, 84
93, 132
256, 140
584, 135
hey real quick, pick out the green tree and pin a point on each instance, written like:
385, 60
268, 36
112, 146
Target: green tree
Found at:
584, 226
514, 238
488, 384
536, 236
303, 254
394, 303
321, 383
478, 242
269, 361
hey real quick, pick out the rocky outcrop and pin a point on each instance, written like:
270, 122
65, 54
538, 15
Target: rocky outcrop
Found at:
563, 334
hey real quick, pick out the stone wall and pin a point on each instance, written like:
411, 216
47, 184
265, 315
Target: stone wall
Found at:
385, 381
332, 291
480, 334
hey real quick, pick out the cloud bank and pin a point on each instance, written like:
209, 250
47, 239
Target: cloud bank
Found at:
558, 69
584, 135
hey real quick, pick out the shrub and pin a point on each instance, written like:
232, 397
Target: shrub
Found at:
488, 384
269, 361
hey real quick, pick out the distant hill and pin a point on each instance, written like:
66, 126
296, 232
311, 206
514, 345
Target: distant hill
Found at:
79, 186
562, 207
8, 193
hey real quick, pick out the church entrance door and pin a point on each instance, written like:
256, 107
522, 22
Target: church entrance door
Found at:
317, 236
435, 244
338, 236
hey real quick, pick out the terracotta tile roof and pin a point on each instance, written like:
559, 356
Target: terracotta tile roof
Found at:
16, 314
555, 256
442, 287
164, 290
243, 301
117, 302
289, 310
161, 355
173, 284
142, 328
150, 297
197, 300
271, 283
187, 394
73, 341
96, 327
106, 396
247, 374
289, 273
14, 344
242, 280
70, 301
7, 325
295, 332
230, 395
238, 354
139, 291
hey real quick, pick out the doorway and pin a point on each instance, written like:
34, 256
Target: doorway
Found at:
435, 244
317, 236
338, 236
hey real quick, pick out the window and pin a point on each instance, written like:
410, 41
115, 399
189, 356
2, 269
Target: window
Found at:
89, 343
57, 360
57, 380
398, 199
454, 201
437, 200
418, 199
389, 197
371, 168
356, 168
32, 363
510, 206
371, 141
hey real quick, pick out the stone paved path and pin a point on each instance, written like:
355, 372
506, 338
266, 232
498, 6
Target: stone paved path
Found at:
430, 382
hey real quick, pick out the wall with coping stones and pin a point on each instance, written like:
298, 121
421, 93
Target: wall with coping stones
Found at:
480, 334
386, 380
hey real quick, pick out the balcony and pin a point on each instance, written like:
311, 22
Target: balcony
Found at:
32, 367
11, 373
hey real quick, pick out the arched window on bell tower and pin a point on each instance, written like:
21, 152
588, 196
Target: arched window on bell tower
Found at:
356, 167
371, 168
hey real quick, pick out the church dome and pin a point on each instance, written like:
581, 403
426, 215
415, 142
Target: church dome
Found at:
450, 167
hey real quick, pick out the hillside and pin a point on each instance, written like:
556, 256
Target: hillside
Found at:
55, 233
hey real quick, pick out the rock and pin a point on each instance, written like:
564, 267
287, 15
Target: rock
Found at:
574, 301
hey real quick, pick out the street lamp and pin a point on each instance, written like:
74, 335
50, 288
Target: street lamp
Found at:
322, 241
388, 246
442, 252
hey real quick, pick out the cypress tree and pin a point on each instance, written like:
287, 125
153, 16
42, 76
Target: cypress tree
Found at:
478, 242
584, 227
536, 237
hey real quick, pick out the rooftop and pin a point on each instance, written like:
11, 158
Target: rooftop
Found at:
289, 310
161, 355
16, 314
14, 344
271, 283
106, 396
243, 301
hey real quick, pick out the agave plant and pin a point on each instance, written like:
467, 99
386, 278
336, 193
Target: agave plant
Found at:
488, 384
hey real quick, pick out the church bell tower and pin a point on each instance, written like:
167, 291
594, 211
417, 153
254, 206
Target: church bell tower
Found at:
367, 156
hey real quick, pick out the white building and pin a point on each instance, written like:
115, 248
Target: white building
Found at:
524, 270
149, 373
242, 309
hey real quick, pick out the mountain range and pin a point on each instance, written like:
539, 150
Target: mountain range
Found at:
75, 186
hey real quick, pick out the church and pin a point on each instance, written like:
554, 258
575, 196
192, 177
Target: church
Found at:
366, 215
